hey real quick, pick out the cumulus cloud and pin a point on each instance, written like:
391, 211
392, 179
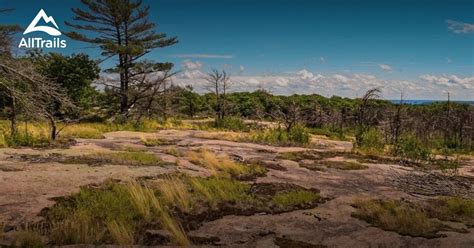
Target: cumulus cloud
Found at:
385, 67
191, 69
202, 56
307, 75
460, 27
449, 81
342, 84
191, 65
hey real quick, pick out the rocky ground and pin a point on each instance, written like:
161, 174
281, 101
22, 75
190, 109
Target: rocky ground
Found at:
31, 178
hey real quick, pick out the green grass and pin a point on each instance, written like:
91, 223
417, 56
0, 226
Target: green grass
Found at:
295, 198
298, 156
399, 216
342, 165
114, 213
216, 190
134, 158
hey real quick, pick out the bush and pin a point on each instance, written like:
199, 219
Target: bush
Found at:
298, 135
410, 148
370, 141
231, 123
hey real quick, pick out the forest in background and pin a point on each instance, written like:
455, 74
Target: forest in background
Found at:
59, 90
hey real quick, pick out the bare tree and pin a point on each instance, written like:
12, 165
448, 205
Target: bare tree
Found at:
38, 96
289, 114
219, 84
366, 116
147, 85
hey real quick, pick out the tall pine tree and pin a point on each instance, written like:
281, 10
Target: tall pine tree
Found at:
120, 28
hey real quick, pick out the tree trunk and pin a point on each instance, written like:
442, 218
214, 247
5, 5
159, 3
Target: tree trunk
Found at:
53, 128
13, 118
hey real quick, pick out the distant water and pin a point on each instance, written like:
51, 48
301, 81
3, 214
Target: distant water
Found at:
417, 102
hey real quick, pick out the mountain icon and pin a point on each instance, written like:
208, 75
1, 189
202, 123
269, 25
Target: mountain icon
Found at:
47, 19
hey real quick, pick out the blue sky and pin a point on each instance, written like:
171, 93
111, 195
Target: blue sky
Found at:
423, 48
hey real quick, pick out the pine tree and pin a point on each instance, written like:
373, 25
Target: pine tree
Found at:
120, 28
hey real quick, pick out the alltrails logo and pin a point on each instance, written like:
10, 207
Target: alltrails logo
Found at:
37, 42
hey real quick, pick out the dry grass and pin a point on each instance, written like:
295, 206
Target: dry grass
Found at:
121, 233
455, 208
216, 190
216, 164
148, 205
174, 191
27, 239
398, 216
147, 141
144, 200
78, 228
222, 135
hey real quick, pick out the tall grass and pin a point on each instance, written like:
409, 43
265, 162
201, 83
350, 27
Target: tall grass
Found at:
121, 233
216, 164
175, 192
216, 190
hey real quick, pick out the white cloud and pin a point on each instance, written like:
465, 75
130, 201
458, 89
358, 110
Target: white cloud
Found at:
342, 84
385, 67
449, 81
460, 27
308, 76
190, 65
202, 56
449, 61
191, 69
322, 60
242, 69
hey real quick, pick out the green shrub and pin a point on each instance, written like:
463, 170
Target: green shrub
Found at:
298, 135
330, 132
370, 141
231, 123
410, 148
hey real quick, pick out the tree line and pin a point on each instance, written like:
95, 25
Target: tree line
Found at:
38, 86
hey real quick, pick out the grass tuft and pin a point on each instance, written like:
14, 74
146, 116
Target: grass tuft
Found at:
295, 198
398, 216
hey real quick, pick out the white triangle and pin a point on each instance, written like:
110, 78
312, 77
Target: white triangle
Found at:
47, 19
